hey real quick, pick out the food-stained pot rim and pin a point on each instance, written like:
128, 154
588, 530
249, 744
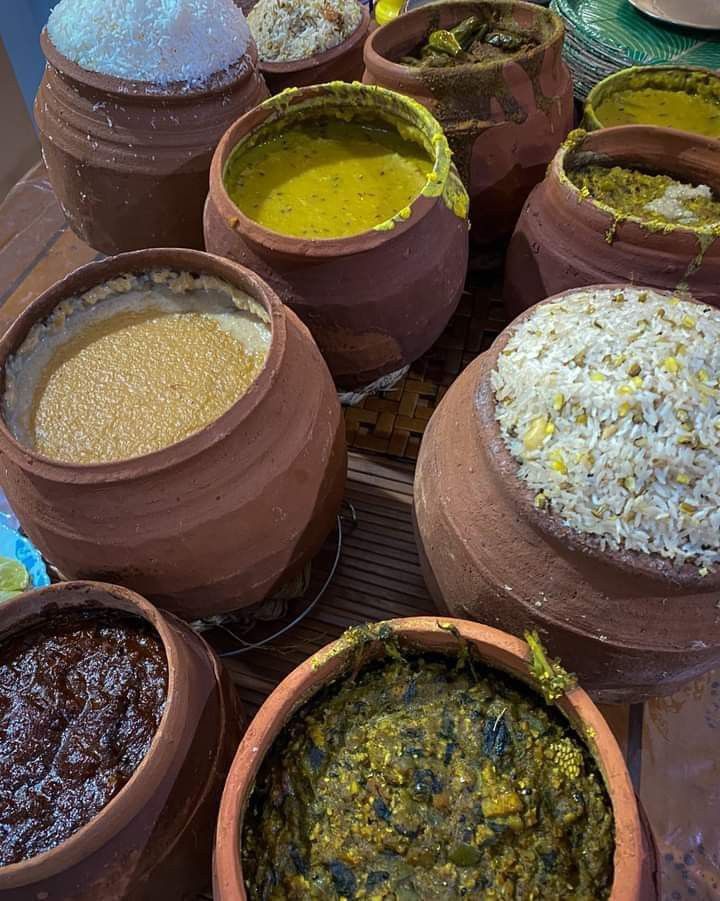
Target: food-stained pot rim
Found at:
616, 82
577, 138
410, 78
443, 178
138, 262
521, 495
426, 633
27, 611
287, 67
131, 89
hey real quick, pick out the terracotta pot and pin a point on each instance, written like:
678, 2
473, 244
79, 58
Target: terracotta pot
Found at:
631, 625
497, 649
375, 301
129, 162
341, 63
504, 120
566, 241
154, 838
212, 523
685, 79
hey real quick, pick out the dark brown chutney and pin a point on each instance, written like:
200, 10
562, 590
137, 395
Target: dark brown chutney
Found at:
81, 697
420, 779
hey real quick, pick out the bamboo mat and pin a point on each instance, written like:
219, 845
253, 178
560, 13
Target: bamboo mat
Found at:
672, 746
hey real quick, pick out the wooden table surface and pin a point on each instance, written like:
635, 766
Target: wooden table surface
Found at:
672, 745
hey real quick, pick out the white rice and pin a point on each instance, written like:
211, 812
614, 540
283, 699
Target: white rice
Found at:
158, 41
610, 403
672, 206
286, 30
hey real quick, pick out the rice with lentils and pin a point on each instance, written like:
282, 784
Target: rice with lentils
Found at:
610, 402
286, 30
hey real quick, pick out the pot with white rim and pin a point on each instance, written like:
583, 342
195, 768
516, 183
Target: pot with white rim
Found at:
633, 625
343, 62
129, 160
219, 520
153, 838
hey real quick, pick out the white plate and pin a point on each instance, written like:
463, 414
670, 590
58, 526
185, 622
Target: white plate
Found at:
689, 13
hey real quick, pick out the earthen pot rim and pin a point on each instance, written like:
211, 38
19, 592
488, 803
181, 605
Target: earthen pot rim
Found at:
28, 610
291, 66
667, 137
501, 461
614, 82
139, 261
325, 248
132, 89
415, 20
502, 651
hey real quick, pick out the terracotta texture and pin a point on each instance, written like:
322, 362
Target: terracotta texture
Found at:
215, 522
375, 301
129, 162
154, 838
632, 872
629, 624
504, 120
564, 241
341, 63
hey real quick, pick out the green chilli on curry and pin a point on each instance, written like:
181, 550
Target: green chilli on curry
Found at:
428, 777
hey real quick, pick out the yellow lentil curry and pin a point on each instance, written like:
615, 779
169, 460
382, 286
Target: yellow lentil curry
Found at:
327, 179
658, 106
423, 778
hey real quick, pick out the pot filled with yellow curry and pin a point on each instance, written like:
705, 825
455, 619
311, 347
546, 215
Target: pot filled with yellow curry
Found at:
686, 98
429, 759
152, 434
343, 197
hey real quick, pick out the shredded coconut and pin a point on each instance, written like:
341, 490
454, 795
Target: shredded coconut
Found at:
610, 402
672, 206
158, 41
287, 30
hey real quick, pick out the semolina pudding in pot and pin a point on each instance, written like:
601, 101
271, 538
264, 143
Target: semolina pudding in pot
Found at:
134, 365
609, 401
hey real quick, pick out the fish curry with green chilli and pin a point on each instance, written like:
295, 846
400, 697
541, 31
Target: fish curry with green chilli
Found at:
471, 41
428, 778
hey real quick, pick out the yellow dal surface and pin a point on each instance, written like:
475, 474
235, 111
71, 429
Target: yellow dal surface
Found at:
654, 106
327, 180
138, 382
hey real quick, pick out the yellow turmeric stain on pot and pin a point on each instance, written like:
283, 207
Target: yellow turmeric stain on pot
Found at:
138, 382
328, 179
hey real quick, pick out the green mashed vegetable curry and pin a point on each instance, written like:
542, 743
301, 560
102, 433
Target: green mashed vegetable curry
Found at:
327, 179
421, 780
651, 197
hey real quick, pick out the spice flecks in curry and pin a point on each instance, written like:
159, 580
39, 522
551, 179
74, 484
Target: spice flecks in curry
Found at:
328, 179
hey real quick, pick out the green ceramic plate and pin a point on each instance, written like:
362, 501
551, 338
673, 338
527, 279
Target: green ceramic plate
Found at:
615, 27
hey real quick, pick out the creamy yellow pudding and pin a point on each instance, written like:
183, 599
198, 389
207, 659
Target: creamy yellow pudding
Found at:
134, 366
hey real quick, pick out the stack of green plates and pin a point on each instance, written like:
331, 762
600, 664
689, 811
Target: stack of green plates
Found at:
604, 36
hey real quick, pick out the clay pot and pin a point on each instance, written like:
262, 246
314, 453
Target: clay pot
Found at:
495, 648
341, 63
154, 838
504, 120
128, 161
374, 302
212, 523
631, 625
682, 79
564, 241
